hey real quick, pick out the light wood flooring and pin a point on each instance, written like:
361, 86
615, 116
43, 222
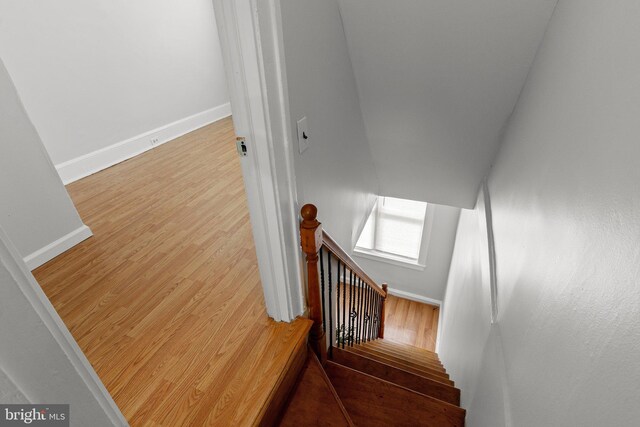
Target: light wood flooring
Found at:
406, 321
411, 322
165, 299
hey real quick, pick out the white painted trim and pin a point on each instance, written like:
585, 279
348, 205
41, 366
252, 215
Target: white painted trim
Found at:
414, 297
439, 333
493, 280
50, 318
388, 258
88, 164
257, 87
52, 250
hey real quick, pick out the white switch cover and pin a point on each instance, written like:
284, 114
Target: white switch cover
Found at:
304, 139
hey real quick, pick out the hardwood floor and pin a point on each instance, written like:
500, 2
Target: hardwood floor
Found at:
165, 299
411, 322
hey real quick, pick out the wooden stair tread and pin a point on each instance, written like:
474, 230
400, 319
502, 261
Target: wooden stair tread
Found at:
314, 401
409, 350
427, 363
374, 402
273, 407
398, 362
397, 376
403, 347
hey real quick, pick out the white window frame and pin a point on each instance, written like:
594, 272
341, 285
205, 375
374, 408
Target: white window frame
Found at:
398, 260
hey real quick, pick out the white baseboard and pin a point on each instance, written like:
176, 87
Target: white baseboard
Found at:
54, 249
414, 297
88, 164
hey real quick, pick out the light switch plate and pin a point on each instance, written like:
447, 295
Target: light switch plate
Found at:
304, 138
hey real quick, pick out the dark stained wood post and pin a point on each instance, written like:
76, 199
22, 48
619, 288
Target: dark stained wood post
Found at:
311, 242
382, 311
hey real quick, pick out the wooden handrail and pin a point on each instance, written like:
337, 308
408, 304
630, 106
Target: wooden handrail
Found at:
334, 247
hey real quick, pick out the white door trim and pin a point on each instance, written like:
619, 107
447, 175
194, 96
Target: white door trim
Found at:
251, 39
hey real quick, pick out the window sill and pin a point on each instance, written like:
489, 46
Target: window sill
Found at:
389, 259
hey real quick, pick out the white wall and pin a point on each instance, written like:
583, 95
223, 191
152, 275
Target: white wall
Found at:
36, 210
566, 216
92, 74
437, 82
39, 361
336, 173
438, 241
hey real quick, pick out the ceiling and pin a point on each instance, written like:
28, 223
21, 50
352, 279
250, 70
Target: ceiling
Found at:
437, 82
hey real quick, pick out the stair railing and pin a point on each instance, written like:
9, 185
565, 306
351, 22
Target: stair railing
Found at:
342, 298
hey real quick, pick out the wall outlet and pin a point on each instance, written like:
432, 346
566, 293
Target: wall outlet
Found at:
155, 140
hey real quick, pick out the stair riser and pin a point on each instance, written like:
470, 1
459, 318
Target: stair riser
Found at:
404, 349
403, 378
404, 367
421, 362
372, 402
431, 371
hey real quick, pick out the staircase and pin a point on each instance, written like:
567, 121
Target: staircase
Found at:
353, 376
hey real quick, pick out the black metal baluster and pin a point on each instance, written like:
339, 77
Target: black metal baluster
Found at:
344, 304
362, 309
359, 325
338, 304
377, 317
368, 315
324, 307
371, 309
373, 314
330, 304
351, 309
380, 319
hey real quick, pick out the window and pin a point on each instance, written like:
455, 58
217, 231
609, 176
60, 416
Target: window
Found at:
394, 230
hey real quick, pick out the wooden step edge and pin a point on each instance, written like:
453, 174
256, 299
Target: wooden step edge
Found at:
272, 408
437, 371
408, 348
398, 376
403, 366
436, 364
333, 390
460, 412
417, 359
399, 345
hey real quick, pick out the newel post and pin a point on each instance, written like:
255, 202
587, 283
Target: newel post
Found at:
311, 242
383, 310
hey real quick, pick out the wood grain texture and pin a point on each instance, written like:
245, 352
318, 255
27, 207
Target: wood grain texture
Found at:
311, 242
411, 322
165, 300
373, 402
410, 351
400, 363
397, 376
412, 359
314, 402
277, 403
